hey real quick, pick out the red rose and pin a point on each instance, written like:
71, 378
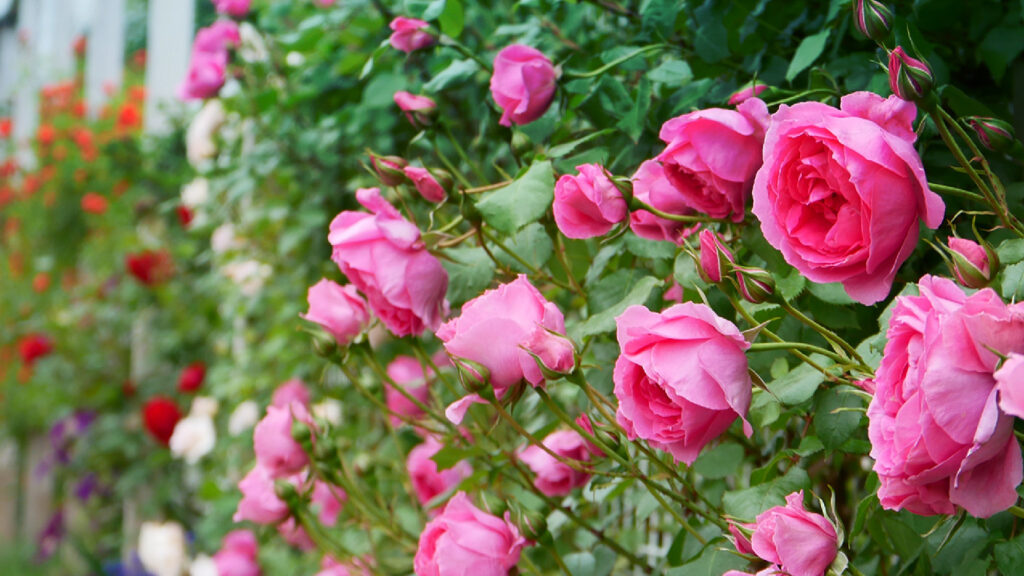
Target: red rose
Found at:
149, 267
160, 415
191, 377
33, 347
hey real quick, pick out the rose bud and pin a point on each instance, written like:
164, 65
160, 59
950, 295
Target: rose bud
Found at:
801, 543
465, 539
390, 169
756, 285
426, 184
276, 450
909, 78
191, 378
420, 110
743, 94
715, 258
409, 34
872, 18
523, 84
588, 204
973, 264
996, 135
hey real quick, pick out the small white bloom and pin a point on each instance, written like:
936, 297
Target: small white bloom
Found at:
194, 437
162, 548
195, 193
244, 417
252, 48
224, 239
329, 410
203, 565
248, 275
204, 406
295, 59
199, 142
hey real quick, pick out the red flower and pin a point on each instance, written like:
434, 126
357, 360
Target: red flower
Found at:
93, 203
149, 267
33, 347
191, 377
160, 415
41, 283
46, 134
129, 117
5, 127
184, 215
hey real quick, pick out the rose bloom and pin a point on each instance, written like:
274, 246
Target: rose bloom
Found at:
712, 156
1010, 383
206, 75
259, 502
290, 391
407, 372
94, 203
408, 34
418, 109
33, 347
384, 257
238, 555
937, 436
555, 478
163, 550
681, 377
799, 542
149, 267
587, 204
426, 184
651, 186
236, 8
276, 450
523, 84
338, 309
494, 326
194, 437
191, 378
464, 539
841, 191
427, 480
160, 415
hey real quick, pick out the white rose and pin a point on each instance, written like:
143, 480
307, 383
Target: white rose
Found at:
199, 143
204, 406
245, 416
252, 48
162, 548
194, 437
295, 59
203, 565
224, 239
195, 193
329, 410
248, 275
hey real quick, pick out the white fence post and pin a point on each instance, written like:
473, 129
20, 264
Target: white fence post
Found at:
26, 98
104, 60
168, 50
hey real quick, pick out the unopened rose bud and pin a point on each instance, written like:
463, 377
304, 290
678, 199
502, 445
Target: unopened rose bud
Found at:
474, 376
995, 134
553, 352
532, 524
973, 265
909, 78
872, 18
324, 345
419, 110
755, 285
390, 169
715, 259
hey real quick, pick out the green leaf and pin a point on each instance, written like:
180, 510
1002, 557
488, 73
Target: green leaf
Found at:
835, 428
806, 53
721, 461
1001, 46
791, 285
580, 563
797, 386
659, 17
604, 321
764, 409
567, 148
1012, 286
452, 19
832, 293
450, 455
715, 560
470, 272
605, 558
532, 244
672, 73
434, 9
1010, 251
634, 121
1010, 555
457, 72
711, 38
646, 248
746, 504
523, 201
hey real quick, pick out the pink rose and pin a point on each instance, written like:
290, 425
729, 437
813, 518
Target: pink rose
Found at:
651, 186
356, 567
236, 8
712, 156
426, 184
427, 481
681, 378
217, 37
973, 265
802, 543
276, 451
409, 34
1010, 383
238, 555
464, 539
556, 478
494, 326
328, 501
291, 391
744, 94
259, 502
554, 351
339, 309
588, 204
382, 254
206, 75
841, 191
407, 372
294, 534
523, 84
418, 109
713, 256
937, 435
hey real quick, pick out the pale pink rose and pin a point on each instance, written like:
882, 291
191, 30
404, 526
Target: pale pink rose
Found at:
1010, 383
802, 543
493, 328
238, 555
651, 186
409, 34
712, 156
293, 533
236, 8
466, 540
291, 391
584, 422
418, 109
937, 435
747, 93
338, 309
681, 377
555, 478
408, 373
276, 451
259, 502
217, 37
206, 75
383, 255
426, 184
327, 501
427, 481
355, 567
523, 84
588, 204
842, 191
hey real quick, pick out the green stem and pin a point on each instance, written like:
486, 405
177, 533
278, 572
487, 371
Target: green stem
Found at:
379, 370
954, 191
453, 43
462, 153
451, 167
829, 335
614, 63
640, 205
1017, 511
533, 269
768, 346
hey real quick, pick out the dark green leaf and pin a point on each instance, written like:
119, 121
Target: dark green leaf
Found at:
523, 201
810, 48
835, 428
